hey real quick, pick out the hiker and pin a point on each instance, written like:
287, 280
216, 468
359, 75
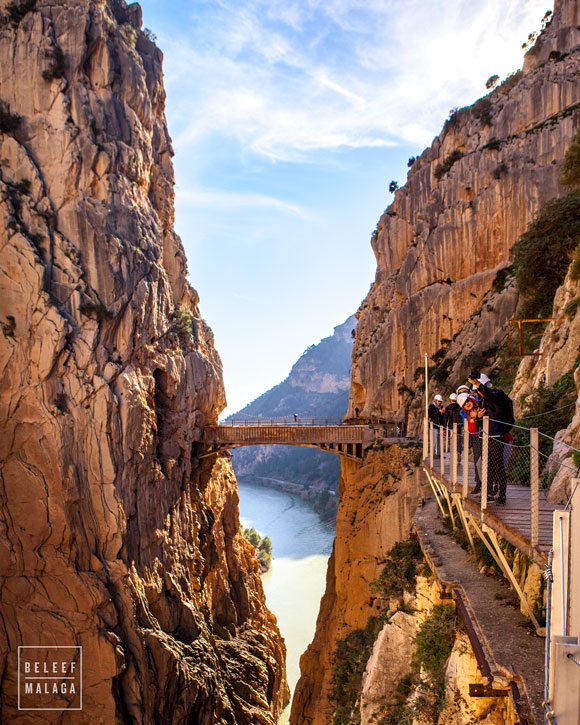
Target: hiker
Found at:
453, 415
435, 413
296, 417
473, 414
498, 406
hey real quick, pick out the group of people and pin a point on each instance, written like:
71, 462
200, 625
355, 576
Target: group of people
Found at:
471, 403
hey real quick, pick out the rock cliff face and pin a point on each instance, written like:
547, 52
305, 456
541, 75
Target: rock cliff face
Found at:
114, 535
467, 200
440, 289
377, 503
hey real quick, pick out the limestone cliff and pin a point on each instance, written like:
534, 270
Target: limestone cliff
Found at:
441, 288
450, 229
376, 507
113, 534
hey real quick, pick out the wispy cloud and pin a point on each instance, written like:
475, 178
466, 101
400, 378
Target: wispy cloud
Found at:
217, 198
284, 78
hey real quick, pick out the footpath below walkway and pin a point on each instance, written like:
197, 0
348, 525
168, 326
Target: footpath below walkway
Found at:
507, 635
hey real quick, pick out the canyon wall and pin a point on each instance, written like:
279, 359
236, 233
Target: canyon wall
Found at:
451, 227
114, 535
376, 507
442, 287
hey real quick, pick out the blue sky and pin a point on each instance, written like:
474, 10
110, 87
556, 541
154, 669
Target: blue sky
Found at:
289, 118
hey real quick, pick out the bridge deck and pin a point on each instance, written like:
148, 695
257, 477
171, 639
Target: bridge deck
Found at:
288, 434
344, 440
511, 521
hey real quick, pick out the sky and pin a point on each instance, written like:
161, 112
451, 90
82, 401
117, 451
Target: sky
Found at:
289, 119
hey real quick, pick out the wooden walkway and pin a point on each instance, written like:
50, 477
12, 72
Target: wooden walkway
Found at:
513, 520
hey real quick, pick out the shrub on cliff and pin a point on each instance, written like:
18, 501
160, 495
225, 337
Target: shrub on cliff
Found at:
543, 254
15, 11
400, 572
9, 122
444, 167
433, 645
570, 169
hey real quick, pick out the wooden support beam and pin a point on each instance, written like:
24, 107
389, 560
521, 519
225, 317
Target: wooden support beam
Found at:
464, 520
540, 631
434, 486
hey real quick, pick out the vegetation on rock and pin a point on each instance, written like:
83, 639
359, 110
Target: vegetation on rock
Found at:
263, 547
351, 655
444, 167
547, 245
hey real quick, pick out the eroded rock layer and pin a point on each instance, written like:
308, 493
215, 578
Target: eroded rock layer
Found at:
113, 534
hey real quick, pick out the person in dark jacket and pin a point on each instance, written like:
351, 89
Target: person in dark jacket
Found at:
435, 413
499, 408
453, 415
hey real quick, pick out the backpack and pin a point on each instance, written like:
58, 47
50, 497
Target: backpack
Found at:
501, 408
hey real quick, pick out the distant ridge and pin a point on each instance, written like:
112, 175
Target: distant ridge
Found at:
317, 387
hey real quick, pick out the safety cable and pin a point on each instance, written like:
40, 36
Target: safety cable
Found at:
547, 412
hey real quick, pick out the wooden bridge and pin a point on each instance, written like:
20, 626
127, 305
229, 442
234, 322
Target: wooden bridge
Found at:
349, 441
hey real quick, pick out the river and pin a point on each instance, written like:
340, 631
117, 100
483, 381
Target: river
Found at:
301, 544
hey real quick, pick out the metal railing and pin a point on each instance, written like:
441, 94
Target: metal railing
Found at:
286, 420
497, 463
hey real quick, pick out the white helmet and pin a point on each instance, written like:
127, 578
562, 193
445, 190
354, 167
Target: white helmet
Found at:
462, 387
453, 396
484, 380
461, 399
438, 397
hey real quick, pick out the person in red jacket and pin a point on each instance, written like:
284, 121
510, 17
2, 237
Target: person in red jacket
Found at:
473, 415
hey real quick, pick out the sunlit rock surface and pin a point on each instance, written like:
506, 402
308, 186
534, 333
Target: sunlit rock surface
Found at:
113, 534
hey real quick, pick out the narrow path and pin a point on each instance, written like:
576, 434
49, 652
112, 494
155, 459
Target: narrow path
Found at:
508, 635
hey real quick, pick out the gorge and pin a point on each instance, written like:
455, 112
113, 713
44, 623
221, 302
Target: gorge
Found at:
119, 531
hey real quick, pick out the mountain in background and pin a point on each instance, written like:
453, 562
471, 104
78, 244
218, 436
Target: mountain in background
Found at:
317, 387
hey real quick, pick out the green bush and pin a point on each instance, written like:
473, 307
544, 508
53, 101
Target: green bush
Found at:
481, 109
570, 169
572, 306
411, 161
183, 324
444, 167
433, 645
9, 122
17, 10
501, 278
57, 65
542, 255
129, 35
575, 266
493, 144
400, 572
263, 546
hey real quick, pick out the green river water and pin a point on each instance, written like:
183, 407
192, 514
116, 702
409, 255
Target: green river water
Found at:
301, 544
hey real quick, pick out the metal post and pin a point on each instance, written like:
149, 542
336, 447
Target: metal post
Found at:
534, 488
484, 462
426, 386
431, 443
454, 456
465, 490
